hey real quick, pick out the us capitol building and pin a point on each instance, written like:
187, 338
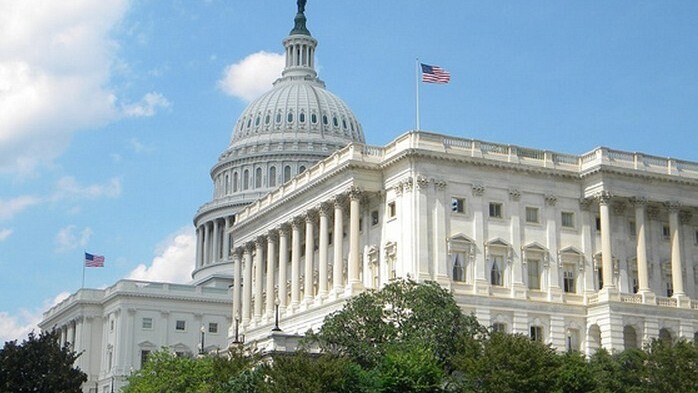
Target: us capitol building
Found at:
579, 251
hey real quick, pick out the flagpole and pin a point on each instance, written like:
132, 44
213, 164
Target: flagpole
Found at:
416, 77
83, 270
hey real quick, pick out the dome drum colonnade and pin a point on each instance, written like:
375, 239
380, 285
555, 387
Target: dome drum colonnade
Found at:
280, 134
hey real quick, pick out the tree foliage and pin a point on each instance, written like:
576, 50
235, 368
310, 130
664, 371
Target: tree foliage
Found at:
39, 364
411, 337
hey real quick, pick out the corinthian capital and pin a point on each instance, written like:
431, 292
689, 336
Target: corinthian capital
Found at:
603, 197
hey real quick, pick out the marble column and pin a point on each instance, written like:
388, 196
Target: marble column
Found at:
337, 242
226, 239
215, 254
237, 282
518, 287
309, 254
272, 240
323, 238
283, 263
199, 250
643, 280
354, 250
604, 199
247, 283
260, 243
295, 262
207, 236
676, 262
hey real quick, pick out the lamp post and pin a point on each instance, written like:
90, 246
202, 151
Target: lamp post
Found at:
276, 316
203, 333
237, 336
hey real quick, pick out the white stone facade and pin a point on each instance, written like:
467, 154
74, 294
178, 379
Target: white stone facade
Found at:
577, 251
116, 327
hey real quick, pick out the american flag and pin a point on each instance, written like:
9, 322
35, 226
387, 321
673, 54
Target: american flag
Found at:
434, 74
94, 260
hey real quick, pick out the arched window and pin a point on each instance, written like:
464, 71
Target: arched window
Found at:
246, 180
629, 337
301, 118
301, 169
287, 173
289, 118
313, 118
272, 176
258, 178
235, 182
227, 184
496, 270
458, 266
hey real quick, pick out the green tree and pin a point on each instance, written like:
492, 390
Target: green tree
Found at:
672, 367
39, 364
509, 363
401, 313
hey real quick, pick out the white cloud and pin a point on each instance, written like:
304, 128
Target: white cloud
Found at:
17, 327
15, 205
5, 233
174, 260
69, 238
253, 75
68, 188
55, 68
146, 106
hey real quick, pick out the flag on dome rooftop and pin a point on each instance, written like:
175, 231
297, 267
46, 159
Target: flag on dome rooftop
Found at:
94, 260
434, 74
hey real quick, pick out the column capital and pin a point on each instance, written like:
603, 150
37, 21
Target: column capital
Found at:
324, 209
550, 199
338, 201
249, 247
514, 194
355, 193
284, 229
638, 201
478, 190
407, 184
260, 241
310, 216
238, 251
672, 206
273, 236
603, 197
398, 188
422, 182
297, 223
439, 184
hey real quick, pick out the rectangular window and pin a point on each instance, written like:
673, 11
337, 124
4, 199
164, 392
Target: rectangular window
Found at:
213, 327
147, 323
111, 325
495, 210
666, 232
696, 236
180, 325
632, 229
567, 219
144, 357
374, 217
392, 212
533, 274
568, 279
499, 328
458, 205
532, 215
598, 224
537, 333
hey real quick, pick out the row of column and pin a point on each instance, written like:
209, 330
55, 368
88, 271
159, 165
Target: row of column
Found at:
212, 241
640, 205
274, 245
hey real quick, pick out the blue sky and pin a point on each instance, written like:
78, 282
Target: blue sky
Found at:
112, 112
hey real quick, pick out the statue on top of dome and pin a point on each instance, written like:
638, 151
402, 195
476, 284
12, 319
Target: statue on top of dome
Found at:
301, 6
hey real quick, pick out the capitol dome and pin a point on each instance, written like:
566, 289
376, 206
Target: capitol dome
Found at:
278, 136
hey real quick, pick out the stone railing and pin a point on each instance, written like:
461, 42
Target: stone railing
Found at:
666, 301
637, 299
472, 148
